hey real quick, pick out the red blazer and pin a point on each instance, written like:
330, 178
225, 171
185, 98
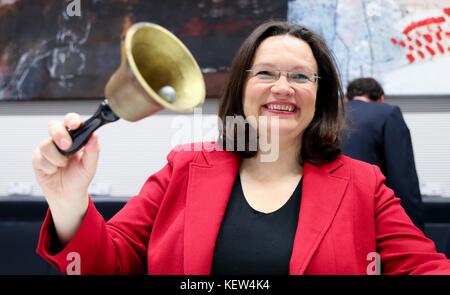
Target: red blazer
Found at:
171, 227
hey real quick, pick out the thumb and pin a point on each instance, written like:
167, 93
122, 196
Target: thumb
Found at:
91, 153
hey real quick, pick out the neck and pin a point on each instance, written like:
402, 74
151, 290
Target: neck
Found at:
286, 164
362, 98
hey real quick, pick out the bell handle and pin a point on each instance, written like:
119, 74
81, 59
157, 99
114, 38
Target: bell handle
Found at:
81, 135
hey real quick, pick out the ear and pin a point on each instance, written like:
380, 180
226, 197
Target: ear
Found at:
381, 100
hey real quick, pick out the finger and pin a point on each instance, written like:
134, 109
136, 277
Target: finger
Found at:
35, 158
48, 151
91, 153
93, 144
42, 165
59, 135
72, 120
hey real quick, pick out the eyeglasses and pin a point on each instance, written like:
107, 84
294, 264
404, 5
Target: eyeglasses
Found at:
270, 76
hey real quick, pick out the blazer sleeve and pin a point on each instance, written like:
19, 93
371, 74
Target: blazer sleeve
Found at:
403, 248
118, 246
400, 166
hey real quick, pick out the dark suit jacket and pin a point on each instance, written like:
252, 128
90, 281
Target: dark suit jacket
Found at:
377, 133
347, 215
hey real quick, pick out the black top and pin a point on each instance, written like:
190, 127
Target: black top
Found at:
253, 242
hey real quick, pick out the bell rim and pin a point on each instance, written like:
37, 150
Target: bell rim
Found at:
132, 64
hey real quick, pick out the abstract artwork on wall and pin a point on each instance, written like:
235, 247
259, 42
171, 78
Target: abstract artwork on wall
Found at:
405, 44
47, 54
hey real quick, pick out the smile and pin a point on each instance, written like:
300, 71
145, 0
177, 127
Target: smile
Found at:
280, 108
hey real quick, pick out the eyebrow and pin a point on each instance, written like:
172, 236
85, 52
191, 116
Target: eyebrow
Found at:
296, 67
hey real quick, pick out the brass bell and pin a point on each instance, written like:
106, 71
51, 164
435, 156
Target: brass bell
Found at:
157, 71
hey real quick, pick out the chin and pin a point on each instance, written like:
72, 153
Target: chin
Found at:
286, 132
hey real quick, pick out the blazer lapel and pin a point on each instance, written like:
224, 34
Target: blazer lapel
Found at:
322, 193
208, 192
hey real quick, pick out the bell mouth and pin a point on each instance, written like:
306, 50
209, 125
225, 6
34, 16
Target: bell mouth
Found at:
157, 58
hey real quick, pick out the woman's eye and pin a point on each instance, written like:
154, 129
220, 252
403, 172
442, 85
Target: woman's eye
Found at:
265, 74
299, 77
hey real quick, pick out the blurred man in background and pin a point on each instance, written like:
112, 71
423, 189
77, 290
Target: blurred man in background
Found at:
377, 133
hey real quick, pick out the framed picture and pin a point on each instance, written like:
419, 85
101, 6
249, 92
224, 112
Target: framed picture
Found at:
65, 49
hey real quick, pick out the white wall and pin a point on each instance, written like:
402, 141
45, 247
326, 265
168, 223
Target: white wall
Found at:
130, 152
430, 134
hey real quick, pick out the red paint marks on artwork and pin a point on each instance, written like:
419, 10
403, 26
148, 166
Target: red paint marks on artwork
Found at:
422, 23
440, 48
425, 38
430, 50
410, 57
421, 54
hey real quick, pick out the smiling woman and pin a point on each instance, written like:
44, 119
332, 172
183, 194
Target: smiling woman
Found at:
285, 97
270, 83
310, 210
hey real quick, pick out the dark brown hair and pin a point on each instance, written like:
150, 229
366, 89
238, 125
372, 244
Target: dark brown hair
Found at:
322, 138
365, 87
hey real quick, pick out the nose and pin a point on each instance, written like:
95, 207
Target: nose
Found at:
282, 87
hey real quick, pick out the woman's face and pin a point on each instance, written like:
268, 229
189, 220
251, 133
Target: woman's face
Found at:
291, 100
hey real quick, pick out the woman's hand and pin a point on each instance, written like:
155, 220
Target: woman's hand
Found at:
65, 181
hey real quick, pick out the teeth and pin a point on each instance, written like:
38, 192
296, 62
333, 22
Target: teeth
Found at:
287, 108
